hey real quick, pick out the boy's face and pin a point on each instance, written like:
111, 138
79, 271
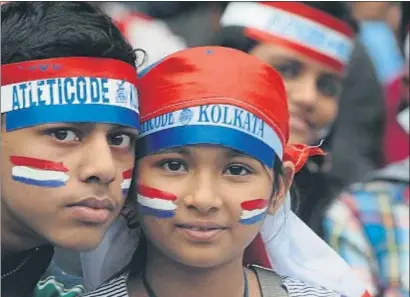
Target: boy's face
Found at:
63, 183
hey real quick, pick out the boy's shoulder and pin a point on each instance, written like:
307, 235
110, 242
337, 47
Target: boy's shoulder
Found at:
51, 287
56, 283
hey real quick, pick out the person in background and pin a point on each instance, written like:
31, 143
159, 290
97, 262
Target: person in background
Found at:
194, 21
68, 129
388, 11
276, 32
381, 42
366, 124
368, 225
144, 31
357, 137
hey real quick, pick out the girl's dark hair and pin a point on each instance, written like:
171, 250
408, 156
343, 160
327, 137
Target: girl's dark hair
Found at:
138, 261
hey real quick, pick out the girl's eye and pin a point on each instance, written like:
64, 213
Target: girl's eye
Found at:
237, 170
329, 85
121, 140
175, 166
64, 135
289, 70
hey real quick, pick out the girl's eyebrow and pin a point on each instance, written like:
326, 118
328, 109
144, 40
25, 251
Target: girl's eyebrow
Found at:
178, 150
234, 153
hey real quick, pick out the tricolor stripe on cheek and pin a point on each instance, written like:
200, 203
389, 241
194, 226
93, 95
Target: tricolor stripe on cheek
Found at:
125, 185
253, 211
37, 172
157, 203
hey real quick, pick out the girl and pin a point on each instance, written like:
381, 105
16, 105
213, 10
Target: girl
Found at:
213, 166
310, 44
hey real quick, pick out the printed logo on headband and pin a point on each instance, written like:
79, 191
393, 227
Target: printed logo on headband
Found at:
56, 94
216, 115
292, 27
68, 91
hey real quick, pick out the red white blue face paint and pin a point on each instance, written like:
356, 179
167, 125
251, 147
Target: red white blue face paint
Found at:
253, 211
156, 203
125, 185
72, 90
40, 173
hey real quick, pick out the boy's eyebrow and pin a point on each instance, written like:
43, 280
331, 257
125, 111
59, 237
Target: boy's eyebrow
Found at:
91, 126
84, 126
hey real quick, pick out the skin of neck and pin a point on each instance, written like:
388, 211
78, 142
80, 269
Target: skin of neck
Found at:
15, 237
168, 277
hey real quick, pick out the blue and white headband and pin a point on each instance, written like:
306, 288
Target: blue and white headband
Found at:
74, 89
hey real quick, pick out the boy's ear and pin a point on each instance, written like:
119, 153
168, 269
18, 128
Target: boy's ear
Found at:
285, 183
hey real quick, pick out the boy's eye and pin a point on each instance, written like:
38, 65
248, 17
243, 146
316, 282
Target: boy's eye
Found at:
65, 135
121, 140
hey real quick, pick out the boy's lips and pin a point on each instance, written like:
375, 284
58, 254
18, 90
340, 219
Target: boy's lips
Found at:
95, 203
92, 210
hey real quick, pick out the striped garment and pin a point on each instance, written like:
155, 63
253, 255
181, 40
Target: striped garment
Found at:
369, 227
117, 287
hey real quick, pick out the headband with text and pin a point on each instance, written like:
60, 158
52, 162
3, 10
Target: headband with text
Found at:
219, 124
296, 26
75, 89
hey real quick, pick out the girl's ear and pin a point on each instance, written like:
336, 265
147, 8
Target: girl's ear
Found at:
285, 183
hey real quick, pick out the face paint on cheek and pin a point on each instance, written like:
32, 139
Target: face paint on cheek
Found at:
125, 185
37, 172
253, 211
153, 202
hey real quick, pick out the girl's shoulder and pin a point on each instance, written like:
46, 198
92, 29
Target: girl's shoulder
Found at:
115, 287
290, 287
297, 288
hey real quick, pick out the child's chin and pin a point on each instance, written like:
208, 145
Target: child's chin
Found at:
202, 261
81, 243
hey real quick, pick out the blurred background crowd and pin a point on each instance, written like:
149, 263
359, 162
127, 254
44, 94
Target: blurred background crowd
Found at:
358, 194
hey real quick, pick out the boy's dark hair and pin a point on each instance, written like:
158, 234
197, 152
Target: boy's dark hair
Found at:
234, 36
41, 30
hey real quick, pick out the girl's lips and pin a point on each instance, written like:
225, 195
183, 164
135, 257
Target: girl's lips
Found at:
200, 235
201, 231
298, 124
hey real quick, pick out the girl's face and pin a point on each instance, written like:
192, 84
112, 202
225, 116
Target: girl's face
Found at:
312, 89
202, 205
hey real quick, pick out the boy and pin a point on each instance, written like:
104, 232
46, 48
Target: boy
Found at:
69, 121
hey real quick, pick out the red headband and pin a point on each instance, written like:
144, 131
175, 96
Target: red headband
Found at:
227, 81
67, 67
